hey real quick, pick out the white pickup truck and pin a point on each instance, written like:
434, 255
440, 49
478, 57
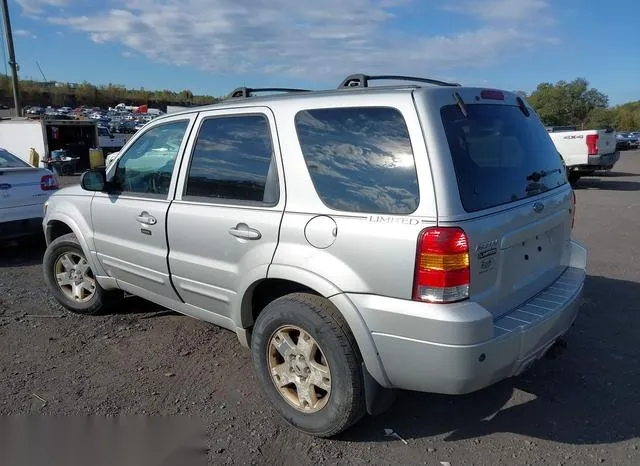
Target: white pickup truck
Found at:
110, 142
585, 152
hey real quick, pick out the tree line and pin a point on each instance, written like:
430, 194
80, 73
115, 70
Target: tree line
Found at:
564, 103
574, 103
36, 93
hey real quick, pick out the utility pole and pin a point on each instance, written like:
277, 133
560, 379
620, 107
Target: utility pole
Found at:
12, 57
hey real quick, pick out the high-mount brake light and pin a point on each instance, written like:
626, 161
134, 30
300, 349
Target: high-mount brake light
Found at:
492, 94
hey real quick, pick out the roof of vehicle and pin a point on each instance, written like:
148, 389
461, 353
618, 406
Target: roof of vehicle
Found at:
306, 95
357, 84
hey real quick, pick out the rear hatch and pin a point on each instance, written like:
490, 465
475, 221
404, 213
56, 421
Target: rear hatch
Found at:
22, 185
512, 201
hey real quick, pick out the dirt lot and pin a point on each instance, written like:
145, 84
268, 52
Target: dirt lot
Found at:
582, 407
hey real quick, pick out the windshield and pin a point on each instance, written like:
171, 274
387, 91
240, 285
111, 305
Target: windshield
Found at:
8, 160
500, 155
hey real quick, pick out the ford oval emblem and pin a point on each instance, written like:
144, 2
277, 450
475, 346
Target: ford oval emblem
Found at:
538, 207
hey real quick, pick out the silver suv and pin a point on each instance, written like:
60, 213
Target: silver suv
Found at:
357, 240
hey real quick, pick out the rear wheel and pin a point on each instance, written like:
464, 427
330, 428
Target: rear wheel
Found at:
308, 364
71, 280
574, 176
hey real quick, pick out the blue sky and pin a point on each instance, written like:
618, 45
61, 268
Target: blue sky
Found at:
213, 46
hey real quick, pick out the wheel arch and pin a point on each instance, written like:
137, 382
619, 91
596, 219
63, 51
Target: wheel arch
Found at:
61, 224
283, 280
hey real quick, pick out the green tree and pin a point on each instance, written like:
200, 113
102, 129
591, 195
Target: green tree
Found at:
600, 118
627, 119
567, 103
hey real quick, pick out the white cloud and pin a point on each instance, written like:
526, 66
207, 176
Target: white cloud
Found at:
321, 41
501, 10
24, 33
38, 6
127, 54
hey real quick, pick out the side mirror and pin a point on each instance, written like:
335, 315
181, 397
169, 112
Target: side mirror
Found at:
94, 180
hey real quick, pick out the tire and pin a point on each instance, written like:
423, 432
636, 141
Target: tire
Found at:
344, 403
94, 301
574, 176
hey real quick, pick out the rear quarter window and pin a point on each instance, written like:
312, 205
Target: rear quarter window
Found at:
500, 155
8, 160
360, 159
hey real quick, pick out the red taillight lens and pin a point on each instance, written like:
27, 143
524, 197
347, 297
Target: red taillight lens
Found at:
592, 144
492, 94
442, 272
48, 183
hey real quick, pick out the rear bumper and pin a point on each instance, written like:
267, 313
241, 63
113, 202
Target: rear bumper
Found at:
512, 342
18, 228
604, 161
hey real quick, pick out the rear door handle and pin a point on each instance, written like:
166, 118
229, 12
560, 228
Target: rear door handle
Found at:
147, 219
244, 231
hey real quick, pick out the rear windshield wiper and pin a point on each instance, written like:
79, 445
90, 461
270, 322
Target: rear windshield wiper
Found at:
536, 176
461, 105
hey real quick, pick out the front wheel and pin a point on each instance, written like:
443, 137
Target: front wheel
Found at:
308, 364
71, 280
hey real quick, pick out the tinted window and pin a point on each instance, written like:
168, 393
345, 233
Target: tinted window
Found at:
147, 166
232, 159
360, 159
8, 160
500, 155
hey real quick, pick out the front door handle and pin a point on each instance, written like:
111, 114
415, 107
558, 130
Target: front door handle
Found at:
244, 231
147, 219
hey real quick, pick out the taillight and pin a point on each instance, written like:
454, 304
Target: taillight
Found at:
442, 272
573, 211
592, 144
48, 183
492, 94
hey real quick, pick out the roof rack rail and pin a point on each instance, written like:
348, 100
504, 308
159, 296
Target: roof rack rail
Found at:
245, 92
362, 80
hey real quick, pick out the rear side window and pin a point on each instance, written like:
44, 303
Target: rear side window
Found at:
233, 162
360, 159
500, 155
8, 160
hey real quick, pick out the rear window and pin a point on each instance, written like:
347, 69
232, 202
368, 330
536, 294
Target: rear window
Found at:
8, 160
360, 159
500, 155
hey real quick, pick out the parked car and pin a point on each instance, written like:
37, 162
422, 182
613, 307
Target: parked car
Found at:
23, 192
634, 138
358, 241
625, 141
585, 152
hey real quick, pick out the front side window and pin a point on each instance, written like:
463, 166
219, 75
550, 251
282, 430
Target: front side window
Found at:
233, 161
360, 159
147, 166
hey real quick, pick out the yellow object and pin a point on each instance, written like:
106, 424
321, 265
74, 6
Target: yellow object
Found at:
96, 158
34, 157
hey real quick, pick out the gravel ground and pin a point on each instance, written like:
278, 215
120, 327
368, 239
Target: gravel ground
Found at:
582, 407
